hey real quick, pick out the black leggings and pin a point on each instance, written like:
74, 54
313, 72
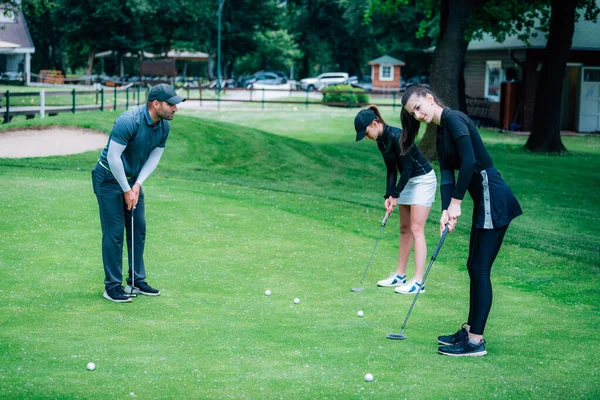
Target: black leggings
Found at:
483, 249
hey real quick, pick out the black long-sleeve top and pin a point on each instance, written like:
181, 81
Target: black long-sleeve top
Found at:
409, 165
459, 147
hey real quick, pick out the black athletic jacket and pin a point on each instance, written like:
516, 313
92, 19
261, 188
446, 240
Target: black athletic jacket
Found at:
409, 165
459, 147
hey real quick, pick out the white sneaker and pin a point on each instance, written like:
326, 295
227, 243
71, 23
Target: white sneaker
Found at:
411, 287
393, 280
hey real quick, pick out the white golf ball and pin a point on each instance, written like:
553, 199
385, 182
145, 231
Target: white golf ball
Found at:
368, 377
296, 300
91, 366
267, 292
360, 314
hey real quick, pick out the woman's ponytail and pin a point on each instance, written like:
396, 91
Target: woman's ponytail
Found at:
374, 108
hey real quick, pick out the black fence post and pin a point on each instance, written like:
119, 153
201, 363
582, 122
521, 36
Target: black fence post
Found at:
73, 109
102, 99
263, 99
127, 99
138, 95
350, 99
7, 116
115, 101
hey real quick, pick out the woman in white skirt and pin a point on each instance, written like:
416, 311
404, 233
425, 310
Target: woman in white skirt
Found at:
414, 193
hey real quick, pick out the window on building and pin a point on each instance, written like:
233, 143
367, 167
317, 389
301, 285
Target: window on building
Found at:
494, 75
386, 73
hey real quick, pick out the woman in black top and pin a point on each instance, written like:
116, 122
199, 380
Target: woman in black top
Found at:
460, 147
414, 193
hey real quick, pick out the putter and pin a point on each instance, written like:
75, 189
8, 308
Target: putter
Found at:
401, 335
383, 223
131, 294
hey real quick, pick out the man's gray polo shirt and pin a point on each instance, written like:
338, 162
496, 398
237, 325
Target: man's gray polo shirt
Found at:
134, 129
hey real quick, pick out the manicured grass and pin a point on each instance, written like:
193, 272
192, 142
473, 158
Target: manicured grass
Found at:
287, 201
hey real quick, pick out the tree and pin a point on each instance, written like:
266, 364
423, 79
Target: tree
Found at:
498, 18
448, 60
48, 41
112, 26
274, 50
545, 134
335, 34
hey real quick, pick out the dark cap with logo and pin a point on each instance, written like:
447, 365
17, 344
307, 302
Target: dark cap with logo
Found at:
361, 121
164, 92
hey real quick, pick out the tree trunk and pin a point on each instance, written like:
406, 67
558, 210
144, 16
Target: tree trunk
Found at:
545, 132
448, 62
90, 66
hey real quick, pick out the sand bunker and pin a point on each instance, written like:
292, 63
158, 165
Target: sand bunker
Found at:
49, 141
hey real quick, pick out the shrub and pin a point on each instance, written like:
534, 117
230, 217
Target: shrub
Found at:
342, 93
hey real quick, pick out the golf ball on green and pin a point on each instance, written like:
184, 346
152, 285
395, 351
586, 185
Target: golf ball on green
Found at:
91, 366
267, 292
360, 314
296, 300
368, 377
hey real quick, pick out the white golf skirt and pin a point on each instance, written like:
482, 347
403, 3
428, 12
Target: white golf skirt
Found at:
419, 190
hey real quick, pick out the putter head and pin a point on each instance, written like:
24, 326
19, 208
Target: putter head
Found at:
396, 336
357, 289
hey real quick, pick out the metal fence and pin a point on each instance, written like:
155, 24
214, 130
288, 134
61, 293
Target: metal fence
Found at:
48, 102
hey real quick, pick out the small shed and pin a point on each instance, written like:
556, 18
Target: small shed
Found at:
385, 73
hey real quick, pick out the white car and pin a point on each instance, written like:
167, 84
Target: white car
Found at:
323, 80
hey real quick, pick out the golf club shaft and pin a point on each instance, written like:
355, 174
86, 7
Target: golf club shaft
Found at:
383, 223
433, 257
132, 252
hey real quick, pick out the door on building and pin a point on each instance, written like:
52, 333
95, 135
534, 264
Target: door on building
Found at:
568, 112
589, 100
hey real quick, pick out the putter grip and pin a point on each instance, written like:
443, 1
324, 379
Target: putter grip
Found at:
385, 218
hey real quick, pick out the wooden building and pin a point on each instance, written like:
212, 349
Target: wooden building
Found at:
385, 73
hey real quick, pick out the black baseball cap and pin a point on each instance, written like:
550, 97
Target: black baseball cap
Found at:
361, 121
164, 92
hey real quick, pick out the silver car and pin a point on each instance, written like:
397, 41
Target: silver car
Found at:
323, 80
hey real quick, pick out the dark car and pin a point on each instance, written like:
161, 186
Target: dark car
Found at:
421, 80
265, 78
365, 83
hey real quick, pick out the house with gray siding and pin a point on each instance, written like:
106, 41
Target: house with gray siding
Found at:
507, 73
16, 47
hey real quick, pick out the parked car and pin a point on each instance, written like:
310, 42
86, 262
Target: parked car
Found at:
421, 80
242, 81
265, 78
323, 80
281, 74
365, 83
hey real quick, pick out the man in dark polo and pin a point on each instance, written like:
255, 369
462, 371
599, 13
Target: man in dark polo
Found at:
134, 148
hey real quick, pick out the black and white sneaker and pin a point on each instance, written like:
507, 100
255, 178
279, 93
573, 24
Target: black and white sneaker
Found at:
117, 294
450, 340
464, 348
142, 288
